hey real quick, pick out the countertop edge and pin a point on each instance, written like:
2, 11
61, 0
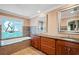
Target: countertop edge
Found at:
61, 38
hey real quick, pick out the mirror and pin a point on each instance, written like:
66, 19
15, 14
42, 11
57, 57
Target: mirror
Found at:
69, 20
42, 23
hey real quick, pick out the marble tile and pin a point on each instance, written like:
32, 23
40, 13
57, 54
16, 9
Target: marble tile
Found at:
28, 51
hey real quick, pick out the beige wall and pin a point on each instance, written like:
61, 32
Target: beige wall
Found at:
52, 23
34, 21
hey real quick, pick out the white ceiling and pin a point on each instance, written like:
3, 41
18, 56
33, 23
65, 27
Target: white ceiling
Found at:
29, 10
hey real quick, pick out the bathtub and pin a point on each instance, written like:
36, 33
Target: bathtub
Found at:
13, 40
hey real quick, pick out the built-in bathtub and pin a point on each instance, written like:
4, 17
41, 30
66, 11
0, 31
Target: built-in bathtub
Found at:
13, 40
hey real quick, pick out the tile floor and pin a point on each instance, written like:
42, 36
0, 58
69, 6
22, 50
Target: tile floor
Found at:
28, 51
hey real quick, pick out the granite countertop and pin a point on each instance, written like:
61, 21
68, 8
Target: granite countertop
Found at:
76, 40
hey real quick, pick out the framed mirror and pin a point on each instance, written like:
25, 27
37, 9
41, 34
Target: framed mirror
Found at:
69, 20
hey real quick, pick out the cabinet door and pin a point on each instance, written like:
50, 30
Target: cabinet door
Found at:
60, 50
73, 48
48, 45
32, 41
74, 51
36, 42
66, 48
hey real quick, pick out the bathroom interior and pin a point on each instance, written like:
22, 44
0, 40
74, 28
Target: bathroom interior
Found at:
39, 29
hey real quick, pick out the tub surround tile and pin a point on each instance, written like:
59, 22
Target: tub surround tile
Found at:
9, 49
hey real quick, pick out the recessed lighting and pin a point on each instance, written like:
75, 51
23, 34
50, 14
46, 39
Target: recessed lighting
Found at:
39, 11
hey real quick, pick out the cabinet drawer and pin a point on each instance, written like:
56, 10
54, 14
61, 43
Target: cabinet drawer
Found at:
48, 41
48, 50
70, 44
60, 42
66, 43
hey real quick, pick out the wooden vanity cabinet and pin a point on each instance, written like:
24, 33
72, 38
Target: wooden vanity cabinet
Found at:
52, 46
60, 48
73, 48
48, 45
35, 42
44, 44
66, 48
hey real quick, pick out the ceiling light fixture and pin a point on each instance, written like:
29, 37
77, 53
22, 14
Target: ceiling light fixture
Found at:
39, 11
